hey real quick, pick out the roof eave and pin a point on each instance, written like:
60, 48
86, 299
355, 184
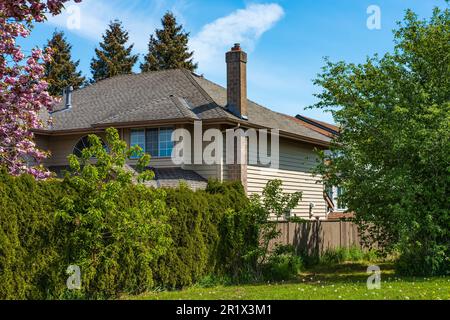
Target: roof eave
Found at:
283, 133
102, 126
317, 124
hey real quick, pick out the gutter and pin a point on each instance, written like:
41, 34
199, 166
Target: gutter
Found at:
284, 134
234, 122
317, 124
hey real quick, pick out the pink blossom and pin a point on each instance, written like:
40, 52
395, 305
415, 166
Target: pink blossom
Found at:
23, 92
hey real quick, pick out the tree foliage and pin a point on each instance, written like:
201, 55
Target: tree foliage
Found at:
24, 93
114, 245
274, 204
114, 57
392, 155
169, 49
61, 71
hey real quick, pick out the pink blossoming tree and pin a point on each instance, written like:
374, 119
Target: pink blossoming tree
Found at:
23, 92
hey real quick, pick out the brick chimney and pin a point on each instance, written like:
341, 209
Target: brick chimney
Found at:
237, 81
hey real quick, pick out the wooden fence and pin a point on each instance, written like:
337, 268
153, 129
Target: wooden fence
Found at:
318, 236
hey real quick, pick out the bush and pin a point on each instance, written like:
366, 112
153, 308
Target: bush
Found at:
210, 233
27, 248
432, 260
273, 203
283, 264
128, 238
202, 233
116, 252
113, 245
344, 254
212, 280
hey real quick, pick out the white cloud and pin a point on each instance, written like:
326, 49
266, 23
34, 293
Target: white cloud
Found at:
244, 26
139, 18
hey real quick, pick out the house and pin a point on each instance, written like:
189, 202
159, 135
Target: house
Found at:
148, 108
335, 208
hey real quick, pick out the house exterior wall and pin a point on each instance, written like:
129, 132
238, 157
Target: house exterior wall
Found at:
157, 162
60, 147
295, 170
296, 163
207, 171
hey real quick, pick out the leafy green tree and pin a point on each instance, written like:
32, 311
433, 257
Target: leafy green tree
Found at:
114, 57
273, 204
169, 50
392, 155
61, 71
113, 244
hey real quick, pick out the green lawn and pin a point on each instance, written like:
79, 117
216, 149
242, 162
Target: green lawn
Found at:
345, 281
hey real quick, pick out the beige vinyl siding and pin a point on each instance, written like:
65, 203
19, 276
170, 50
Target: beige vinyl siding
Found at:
61, 147
207, 171
295, 170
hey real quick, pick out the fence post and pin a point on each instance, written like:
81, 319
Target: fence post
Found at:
288, 232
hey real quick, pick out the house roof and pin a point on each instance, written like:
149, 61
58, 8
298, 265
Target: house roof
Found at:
259, 115
175, 95
172, 177
319, 126
164, 177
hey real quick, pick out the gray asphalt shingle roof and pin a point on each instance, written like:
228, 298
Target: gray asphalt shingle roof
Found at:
260, 115
164, 177
162, 95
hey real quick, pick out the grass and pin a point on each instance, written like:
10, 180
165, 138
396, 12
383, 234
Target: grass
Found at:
344, 281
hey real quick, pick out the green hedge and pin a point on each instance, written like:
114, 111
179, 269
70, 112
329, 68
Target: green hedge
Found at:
203, 241
209, 231
28, 250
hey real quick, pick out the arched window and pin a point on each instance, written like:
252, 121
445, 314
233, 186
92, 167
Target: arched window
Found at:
84, 143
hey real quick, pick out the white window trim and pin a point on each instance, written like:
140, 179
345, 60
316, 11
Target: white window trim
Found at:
335, 200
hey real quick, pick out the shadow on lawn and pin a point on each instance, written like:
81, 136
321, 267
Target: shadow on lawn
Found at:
350, 272
342, 273
337, 274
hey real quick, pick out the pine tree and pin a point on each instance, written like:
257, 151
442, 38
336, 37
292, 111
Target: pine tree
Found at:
113, 57
169, 49
61, 72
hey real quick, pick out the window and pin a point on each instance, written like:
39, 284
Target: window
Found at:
339, 205
137, 139
84, 143
155, 141
329, 191
334, 194
165, 142
151, 142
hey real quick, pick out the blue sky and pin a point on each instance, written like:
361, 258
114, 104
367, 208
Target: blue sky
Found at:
286, 40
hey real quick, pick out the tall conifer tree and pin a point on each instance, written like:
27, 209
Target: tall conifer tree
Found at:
61, 72
169, 49
113, 57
